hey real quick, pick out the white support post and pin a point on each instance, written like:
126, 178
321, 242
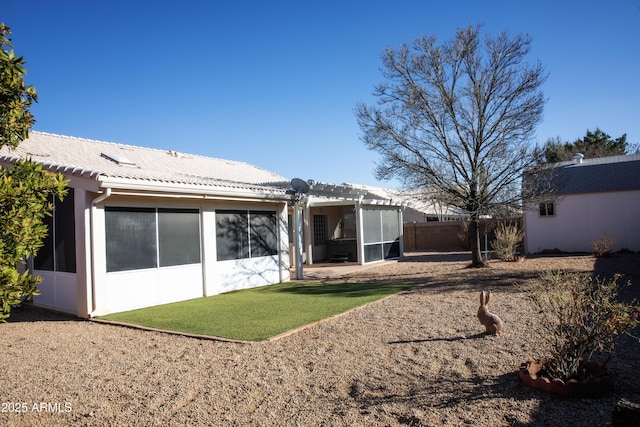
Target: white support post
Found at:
297, 234
360, 231
401, 230
308, 240
283, 245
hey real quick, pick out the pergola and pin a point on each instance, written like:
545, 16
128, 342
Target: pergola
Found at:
332, 195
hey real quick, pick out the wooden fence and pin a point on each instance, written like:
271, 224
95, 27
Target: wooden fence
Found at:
446, 235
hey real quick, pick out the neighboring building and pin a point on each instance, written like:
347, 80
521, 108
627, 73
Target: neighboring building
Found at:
593, 197
143, 227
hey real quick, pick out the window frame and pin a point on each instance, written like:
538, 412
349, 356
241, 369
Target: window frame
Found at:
185, 255
249, 230
377, 237
261, 231
546, 209
58, 252
320, 229
152, 243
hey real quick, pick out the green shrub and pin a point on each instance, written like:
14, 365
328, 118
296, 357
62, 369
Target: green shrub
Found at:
26, 191
508, 237
581, 318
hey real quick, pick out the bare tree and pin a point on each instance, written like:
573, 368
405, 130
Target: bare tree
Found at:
458, 118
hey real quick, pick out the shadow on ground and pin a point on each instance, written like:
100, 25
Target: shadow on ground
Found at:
423, 393
436, 393
437, 257
27, 312
448, 272
426, 340
341, 289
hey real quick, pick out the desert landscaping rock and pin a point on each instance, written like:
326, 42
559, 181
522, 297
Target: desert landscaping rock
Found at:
418, 358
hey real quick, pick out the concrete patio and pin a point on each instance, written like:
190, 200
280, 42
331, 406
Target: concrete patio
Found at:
331, 270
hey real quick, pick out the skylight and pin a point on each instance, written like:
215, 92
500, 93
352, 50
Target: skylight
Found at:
119, 159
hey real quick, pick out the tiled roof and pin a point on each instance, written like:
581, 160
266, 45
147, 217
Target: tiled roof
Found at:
94, 159
615, 173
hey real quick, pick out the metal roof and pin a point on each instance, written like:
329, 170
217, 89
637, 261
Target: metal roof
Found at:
602, 174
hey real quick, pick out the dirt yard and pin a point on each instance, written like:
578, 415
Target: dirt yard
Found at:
418, 358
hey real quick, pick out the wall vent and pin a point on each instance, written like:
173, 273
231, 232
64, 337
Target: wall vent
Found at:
577, 158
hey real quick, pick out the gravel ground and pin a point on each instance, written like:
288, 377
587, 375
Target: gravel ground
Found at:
416, 358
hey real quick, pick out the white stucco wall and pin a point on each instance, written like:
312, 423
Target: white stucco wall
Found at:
580, 219
58, 291
246, 273
129, 290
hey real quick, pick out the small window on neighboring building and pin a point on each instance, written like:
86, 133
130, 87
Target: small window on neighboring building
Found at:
547, 209
320, 230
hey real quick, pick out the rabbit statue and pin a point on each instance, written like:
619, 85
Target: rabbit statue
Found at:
491, 322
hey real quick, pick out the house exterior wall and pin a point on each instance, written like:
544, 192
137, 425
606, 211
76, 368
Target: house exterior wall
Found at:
580, 219
63, 291
93, 291
229, 275
98, 288
128, 290
57, 291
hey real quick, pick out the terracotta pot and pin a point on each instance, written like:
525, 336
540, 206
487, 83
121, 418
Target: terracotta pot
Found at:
597, 384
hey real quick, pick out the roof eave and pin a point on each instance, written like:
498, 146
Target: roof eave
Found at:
123, 186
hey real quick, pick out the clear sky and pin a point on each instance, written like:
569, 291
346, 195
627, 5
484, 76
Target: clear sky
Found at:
274, 83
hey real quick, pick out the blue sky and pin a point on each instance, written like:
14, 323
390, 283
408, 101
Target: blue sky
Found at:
274, 83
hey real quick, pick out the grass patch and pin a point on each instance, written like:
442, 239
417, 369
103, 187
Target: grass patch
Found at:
259, 313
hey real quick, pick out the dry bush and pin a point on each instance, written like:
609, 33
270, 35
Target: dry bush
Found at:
602, 246
463, 233
581, 319
508, 237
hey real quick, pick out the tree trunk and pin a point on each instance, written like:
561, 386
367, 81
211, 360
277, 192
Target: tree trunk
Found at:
474, 241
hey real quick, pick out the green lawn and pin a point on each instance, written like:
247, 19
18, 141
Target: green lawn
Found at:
258, 313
